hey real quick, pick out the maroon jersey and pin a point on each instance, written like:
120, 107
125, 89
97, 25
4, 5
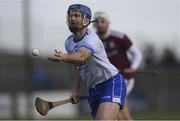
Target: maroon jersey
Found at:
116, 46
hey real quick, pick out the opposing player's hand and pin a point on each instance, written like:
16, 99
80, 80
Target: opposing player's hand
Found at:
128, 73
58, 56
74, 98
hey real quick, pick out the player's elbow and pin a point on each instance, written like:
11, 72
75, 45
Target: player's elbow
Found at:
136, 53
83, 57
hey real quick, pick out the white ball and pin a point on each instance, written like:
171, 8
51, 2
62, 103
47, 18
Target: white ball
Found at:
35, 52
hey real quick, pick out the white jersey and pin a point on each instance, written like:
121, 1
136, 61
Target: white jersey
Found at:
97, 68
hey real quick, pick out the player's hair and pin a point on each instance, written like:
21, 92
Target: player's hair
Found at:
101, 14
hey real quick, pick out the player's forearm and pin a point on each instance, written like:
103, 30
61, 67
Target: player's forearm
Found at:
76, 85
76, 79
74, 57
79, 56
137, 57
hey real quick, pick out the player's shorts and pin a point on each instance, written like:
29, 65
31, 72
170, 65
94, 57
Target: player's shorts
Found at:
129, 85
112, 90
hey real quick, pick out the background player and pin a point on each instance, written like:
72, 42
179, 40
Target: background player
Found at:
107, 89
117, 46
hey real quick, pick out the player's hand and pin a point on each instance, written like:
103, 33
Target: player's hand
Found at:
128, 73
74, 98
58, 56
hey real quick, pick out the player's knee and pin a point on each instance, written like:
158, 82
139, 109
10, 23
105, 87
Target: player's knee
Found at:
107, 111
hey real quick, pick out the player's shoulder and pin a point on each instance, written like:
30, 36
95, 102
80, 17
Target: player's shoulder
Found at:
91, 35
117, 34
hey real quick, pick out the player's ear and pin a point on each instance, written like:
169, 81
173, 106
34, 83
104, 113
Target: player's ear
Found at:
86, 21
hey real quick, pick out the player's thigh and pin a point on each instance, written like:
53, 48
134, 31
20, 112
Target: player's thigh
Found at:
129, 85
107, 111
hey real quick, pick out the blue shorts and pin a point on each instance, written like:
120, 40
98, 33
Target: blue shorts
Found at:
112, 90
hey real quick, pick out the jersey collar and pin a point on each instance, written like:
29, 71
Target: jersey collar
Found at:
77, 40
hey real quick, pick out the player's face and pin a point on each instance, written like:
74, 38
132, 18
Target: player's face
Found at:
75, 21
101, 25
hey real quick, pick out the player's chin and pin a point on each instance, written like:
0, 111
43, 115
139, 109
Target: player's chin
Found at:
73, 29
101, 31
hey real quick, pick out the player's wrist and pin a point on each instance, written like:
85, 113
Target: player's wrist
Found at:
64, 58
129, 73
74, 91
129, 70
74, 97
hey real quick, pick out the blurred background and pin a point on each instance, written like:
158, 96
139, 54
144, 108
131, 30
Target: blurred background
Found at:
152, 25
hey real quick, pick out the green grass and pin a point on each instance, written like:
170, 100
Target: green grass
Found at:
146, 116
156, 116
136, 116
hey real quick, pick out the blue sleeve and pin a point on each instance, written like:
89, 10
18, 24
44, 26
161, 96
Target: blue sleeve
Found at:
89, 47
91, 43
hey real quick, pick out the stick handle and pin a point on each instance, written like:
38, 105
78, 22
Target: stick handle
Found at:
148, 72
80, 98
65, 101
61, 102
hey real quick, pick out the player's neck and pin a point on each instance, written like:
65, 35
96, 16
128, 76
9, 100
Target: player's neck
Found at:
78, 35
103, 35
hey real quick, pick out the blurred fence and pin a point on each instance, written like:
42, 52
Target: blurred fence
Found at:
152, 93
17, 75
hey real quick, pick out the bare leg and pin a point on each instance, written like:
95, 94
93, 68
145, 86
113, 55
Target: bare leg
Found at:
107, 111
124, 114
